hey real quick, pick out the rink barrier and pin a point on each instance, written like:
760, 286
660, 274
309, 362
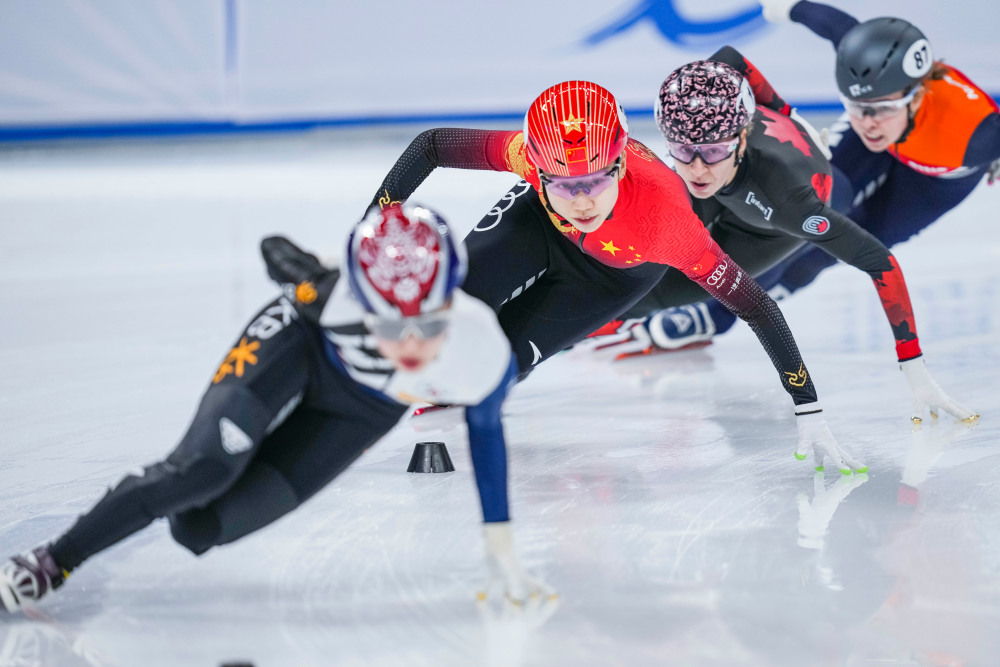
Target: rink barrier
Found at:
18, 133
180, 128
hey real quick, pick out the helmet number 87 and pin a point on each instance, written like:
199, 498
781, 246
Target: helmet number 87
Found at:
918, 59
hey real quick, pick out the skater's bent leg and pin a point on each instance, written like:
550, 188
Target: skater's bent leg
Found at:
199, 470
297, 460
260, 496
232, 419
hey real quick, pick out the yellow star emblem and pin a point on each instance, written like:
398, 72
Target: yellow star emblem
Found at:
573, 124
610, 247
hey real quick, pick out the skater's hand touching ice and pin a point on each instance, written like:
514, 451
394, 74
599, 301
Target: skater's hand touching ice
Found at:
927, 395
504, 570
993, 172
815, 435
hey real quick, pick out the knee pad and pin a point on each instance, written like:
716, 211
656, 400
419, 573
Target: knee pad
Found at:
196, 529
260, 496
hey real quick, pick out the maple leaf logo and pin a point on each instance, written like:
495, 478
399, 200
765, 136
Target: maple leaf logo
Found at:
783, 129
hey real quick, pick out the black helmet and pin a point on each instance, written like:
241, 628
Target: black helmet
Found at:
880, 57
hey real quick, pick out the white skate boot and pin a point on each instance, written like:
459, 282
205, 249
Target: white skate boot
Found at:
28, 577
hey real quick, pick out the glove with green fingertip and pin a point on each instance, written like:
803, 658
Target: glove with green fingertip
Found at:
814, 434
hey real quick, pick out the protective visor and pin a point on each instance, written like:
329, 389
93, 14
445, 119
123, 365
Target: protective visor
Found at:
880, 109
566, 187
421, 327
709, 153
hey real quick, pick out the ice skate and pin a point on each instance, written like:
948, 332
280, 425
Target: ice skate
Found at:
28, 577
672, 329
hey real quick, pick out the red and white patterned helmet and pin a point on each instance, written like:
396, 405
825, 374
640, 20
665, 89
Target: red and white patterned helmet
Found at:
704, 102
575, 128
403, 261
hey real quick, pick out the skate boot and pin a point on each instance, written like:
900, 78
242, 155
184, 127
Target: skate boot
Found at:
680, 327
671, 329
28, 577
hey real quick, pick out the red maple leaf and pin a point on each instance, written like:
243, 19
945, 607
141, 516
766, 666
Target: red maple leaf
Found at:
784, 129
822, 184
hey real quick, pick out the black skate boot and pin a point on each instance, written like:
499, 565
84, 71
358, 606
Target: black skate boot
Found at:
28, 577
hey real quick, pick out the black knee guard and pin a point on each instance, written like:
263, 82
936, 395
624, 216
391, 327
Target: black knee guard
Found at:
197, 529
260, 496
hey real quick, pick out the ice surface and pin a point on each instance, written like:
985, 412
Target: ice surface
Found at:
658, 495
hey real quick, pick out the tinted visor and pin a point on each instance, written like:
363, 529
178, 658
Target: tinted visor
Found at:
567, 187
709, 153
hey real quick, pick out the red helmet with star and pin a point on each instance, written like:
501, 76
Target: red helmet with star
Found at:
575, 128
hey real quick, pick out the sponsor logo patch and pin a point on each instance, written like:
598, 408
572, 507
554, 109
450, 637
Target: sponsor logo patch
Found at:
234, 440
969, 91
753, 201
718, 275
816, 224
857, 90
495, 215
237, 360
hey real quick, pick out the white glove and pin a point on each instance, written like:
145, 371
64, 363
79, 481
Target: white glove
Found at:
993, 172
509, 628
813, 432
777, 11
821, 139
927, 394
503, 568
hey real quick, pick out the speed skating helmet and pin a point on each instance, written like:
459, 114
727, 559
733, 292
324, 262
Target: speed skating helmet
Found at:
880, 57
703, 102
575, 128
403, 260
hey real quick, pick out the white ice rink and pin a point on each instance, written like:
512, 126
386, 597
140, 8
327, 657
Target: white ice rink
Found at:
658, 495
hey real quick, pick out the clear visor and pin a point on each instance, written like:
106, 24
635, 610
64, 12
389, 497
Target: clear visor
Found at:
880, 109
420, 327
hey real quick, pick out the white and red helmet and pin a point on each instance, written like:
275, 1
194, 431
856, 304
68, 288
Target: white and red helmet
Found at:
403, 260
575, 128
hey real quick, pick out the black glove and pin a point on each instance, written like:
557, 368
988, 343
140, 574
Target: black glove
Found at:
301, 275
